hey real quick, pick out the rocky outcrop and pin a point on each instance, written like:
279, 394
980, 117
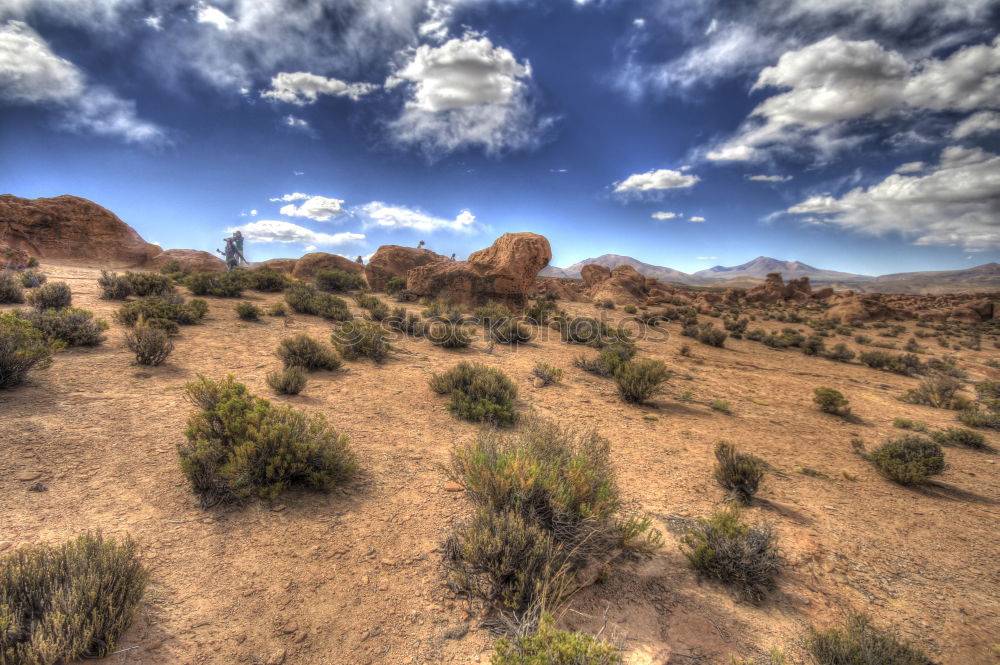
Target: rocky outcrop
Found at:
69, 228
193, 259
280, 265
505, 271
775, 290
862, 307
12, 258
307, 267
396, 261
561, 289
593, 274
625, 286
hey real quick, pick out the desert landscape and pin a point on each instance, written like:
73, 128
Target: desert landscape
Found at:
364, 569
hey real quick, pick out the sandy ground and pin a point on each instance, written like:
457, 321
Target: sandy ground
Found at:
354, 576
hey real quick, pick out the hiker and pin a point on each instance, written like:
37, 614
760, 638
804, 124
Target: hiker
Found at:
360, 260
237, 239
230, 254
452, 256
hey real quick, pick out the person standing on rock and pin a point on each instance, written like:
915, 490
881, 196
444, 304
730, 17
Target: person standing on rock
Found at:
360, 260
230, 254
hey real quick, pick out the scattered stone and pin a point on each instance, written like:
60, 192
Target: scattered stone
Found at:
38, 487
451, 486
279, 508
277, 658
27, 476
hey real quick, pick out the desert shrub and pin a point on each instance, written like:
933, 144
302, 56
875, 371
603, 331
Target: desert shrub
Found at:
267, 280
737, 473
720, 405
757, 335
938, 391
630, 309
276, 309
447, 335
706, 333
906, 364
736, 327
511, 331
549, 646
68, 602
220, 284
55, 295
337, 281
478, 393
22, 348
861, 643
288, 381
148, 284
590, 331
491, 314
608, 360
355, 339
831, 401
307, 299
906, 423
650, 318
947, 365
377, 310
395, 285
114, 286
989, 394
70, 326
174, 267
440, 309
32, 278
305, 352
248, 311
959, 436
540, 311
11, 290
740, 555
32, 261
908, 460
239, 446
547, 373
977, 417
813, 346
402, 321
604, 304
150, 345
840, 352
685, 350
172, 308
637, 381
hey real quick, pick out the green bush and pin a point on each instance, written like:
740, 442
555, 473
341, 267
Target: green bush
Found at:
511, 331
478, 393
650, 318
248, 311
720, 405
402, 321
549, 646
909, 460
738, 554
337, 281
639, 380
151, 345
22, 348
540, 311
959, 436
906, 423
68, 602
939, 391
219, 284
447, 335
32, 278
267, 280
377, 310
706, 333
978, 417
630, 309
172, 308
813, 346
355, 339
604, 304
149, 284
289, 381
831, 401
737, 473
11, 290
841, 353
276, 309
547, 373
491, 314
861, 643
173, 268
70, 326
239, 446
608, 361
906, 364
395, 284
55, 295
114, 286
307, 299
305, 352
590, 331
440, 309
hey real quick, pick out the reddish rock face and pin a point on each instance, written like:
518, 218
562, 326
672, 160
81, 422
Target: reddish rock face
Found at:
310, 264
281, 265
594, 274
396, 261
561, 288
195, 259
625, 286
69, 228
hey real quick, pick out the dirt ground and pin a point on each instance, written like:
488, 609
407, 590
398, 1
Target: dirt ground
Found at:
353, 577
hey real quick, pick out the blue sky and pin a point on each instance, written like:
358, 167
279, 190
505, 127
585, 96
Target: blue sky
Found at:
856, 135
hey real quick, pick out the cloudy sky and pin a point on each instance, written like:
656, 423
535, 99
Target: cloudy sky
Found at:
858, 135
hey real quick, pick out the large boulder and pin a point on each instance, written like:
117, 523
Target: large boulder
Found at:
192, 259
862, 307
307, 267
626, 286
593, 273
280, 265
395, 261
505, 271
560, 288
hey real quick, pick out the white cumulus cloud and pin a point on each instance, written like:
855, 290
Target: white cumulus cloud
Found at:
656, 180
385, 216
984, 122
696, 219
270, 230
769, 178
318, 208
302, 88
296, 196
213, 16
665, 215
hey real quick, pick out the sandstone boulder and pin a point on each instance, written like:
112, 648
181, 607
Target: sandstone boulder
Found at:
594, 274
307, 267
70, 228
193, 259
12, 258
280, 265
395, 261
862, 307
561, 288
626, 286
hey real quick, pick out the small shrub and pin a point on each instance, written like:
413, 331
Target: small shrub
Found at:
959, 436
32, 278
738, 554
831, 401
148, 284
11, 290
402, 321
813, 346
938, 391
491, 314
276, 309
977, 417
706, 333
172, 308
540, 311
55, 295
174, 267
448, 335
590, 331
639, 380
68, 602
337, 281
307, 299
608, 361
841, 353
395, 285
150, 345
906, 423
166, 325
630, 309
511, 331
478, 393
547, 373
685, 350
114, 286
248, 311
861, 643
604, 304
909, 460
547, 645
737, 473
289, 381
305, 352
267, 280
358, 338
70, 326
721, 406
239, 446
906, 364
650, 318
22, 349
219, 284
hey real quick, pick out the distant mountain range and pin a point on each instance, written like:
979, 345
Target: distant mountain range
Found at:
980, 278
